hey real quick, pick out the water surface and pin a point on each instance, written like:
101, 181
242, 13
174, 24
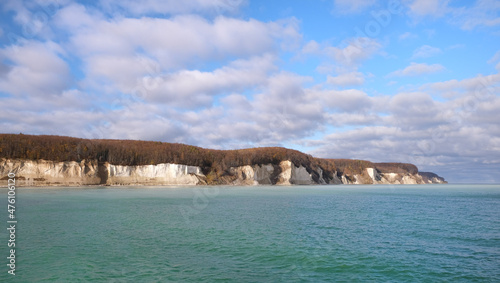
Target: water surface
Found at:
426, 233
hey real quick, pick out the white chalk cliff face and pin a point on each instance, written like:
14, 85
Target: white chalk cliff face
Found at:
284, 174
160, 174
51, 173
399, 178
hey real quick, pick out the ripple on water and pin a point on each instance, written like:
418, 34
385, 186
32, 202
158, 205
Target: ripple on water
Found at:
265, 234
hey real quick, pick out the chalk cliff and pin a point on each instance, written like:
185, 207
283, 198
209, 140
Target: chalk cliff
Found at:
402, 178
72, 173
160, 174
50, 173
67, 161
284, 174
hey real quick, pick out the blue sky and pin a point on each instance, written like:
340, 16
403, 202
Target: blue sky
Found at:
408, 81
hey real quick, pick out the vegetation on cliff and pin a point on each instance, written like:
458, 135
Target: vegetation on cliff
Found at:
214, 163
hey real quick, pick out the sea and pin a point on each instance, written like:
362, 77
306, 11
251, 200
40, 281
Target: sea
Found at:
338, 233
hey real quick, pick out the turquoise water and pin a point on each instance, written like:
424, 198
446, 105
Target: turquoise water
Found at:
434, 233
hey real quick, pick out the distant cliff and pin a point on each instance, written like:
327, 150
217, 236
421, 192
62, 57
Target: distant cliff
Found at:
65, 161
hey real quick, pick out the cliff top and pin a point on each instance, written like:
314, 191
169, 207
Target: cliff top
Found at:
134, 152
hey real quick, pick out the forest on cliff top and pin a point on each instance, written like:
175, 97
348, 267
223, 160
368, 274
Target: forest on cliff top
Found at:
211, 161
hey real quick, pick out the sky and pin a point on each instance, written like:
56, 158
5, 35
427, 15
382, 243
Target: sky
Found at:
412, 81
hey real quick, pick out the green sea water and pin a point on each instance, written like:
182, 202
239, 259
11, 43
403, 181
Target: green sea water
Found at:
427, 233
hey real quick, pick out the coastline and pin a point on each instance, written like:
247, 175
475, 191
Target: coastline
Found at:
39, 173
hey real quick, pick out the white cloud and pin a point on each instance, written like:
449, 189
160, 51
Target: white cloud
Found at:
456, 46
416, 69
284, 95
143, 121
435, 8
414, 110
352, 6
172, 6
36, 69
33, 16
484, 13
311, 47
347, 79
481, 13
125, 51
144, 79
287, 31
76, 16
158, 59
186, 38
191, 88
495, 59
407, 35
426, 51
23, 16
283, 110
420, 130
350, 53
479, 86
349, 100
355, 51
353, 119
120, 72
